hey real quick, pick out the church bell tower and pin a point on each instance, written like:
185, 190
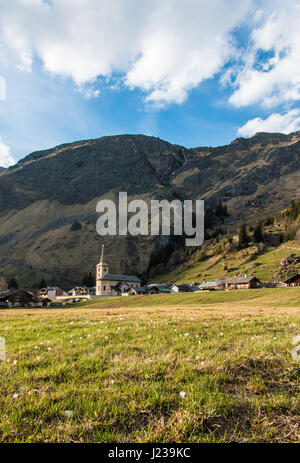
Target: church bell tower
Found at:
101, 271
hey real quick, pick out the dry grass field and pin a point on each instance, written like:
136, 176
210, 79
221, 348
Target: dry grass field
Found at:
179, 368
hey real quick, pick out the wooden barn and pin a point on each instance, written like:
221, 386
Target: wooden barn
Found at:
293, 281
242, 283
17, 298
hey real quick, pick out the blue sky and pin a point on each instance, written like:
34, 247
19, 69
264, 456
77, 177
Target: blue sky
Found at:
195, 73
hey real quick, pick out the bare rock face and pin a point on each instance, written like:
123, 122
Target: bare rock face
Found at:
48, 191
289, 266
78, 172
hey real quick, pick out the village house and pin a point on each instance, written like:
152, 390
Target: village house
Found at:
274, 284
164, 288
156, 288
216, 285
78, 291
242, 283
184, 288
293, 281
230, 284
52, 292
17, 298
142, 290
108, 284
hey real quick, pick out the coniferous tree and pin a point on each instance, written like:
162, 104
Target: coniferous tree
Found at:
244, 239
42, 283
88, 280
221, 210
91, 280
258, 235
13, 284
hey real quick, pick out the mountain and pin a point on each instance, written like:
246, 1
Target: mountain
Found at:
48, 199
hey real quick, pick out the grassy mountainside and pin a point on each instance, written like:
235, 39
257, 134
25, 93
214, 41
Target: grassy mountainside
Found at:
43, 195
263, 265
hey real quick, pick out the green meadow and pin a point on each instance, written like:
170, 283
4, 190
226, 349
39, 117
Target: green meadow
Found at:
202, 367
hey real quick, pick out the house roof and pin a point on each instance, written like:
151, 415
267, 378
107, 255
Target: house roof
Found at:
193, 288
209, 284
294, 277
185, 287
142, 289
78, 288
17, 292
240, 280
131, 278
116, 288
159, 285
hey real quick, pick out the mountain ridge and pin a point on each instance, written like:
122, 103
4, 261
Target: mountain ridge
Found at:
46, 191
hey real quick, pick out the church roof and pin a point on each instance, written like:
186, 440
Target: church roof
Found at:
131, 278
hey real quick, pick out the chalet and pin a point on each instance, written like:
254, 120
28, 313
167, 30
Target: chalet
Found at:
142, 290
174, 288
78, 291
216, 285
155, 288
242, 283
17, 298
53, 292
273, 284
293, 281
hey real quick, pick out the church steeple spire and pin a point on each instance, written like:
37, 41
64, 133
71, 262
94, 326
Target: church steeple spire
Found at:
102, 255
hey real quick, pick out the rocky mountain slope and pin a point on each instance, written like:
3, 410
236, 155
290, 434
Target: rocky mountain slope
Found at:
47, 192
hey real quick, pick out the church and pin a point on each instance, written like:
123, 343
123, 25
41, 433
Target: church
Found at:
108, 284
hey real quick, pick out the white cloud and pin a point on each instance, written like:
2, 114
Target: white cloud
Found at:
164, 47
189, 44
5, 158
88, 91
274, 78
283, 123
